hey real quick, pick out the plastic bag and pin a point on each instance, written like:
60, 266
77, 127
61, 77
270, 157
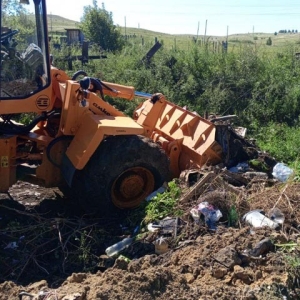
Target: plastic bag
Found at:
282, 172
211, 215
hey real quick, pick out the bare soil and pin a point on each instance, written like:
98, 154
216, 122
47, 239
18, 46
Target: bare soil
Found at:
49, 250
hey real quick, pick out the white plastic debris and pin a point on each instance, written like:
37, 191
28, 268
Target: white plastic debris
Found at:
195, 214
282, 172
257, 219
152, 227
11, 245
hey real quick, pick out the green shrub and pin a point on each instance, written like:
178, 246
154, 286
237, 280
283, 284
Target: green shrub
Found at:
281, 141
164, 204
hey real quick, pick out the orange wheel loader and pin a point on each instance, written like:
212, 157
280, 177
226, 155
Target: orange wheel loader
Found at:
77, 139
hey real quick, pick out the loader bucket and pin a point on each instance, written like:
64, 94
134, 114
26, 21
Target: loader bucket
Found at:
188, 139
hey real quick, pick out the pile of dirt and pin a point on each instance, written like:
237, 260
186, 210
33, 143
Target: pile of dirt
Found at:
53, 252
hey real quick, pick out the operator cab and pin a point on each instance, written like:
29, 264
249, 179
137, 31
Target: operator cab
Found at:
25, 64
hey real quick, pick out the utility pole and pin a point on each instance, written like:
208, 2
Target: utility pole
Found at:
198, 30
205, 30
125, 25
227, 34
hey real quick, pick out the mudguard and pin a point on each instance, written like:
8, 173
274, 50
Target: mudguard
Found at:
93, 129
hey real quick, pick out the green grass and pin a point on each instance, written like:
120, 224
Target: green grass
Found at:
281, 141
164, 204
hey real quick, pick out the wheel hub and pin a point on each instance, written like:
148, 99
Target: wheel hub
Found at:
132, 187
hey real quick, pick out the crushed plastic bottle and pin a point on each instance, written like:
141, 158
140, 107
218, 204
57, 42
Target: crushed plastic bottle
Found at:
282, 172
258, 220
115, 249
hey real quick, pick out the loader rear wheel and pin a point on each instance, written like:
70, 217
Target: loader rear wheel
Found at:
122, 172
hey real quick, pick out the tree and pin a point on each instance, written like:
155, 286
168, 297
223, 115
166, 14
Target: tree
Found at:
11, 7
269, 42
16, 16
97, 26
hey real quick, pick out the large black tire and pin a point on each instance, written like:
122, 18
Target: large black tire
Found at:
122, 172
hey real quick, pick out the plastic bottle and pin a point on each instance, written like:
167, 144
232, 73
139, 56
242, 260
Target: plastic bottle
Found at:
258, 220
118, 247
281, 172
161, 245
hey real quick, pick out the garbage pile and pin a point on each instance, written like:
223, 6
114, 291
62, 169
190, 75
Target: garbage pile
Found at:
216, 197
237, 236
237, 228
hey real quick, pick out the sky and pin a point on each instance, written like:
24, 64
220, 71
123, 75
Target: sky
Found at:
191, 16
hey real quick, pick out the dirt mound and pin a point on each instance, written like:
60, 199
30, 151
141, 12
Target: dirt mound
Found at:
238, 262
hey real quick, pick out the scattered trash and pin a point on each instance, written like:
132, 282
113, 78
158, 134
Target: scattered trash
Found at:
14, 245
115, 249
195, 214
199, 187
257, 219
160, 190
169, 226
136, 230
44, 295
241, 131
128, 260
23, 293
233, 216
240, 168
153, 227
257, 175
161, 245
191, 176
11, 245
282, 172
211, 215
276, 215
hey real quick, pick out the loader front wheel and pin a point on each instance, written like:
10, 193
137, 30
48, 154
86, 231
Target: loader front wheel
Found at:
122, 172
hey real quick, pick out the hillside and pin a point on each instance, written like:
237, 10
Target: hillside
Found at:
59, 24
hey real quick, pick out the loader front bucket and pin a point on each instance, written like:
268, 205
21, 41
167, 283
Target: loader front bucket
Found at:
188, 139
